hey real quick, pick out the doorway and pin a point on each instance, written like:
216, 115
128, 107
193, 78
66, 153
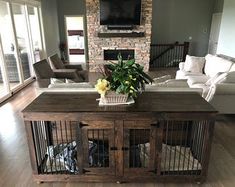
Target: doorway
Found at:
214, 34
75, 39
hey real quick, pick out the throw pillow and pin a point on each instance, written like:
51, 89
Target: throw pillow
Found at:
57, 81
216, 64
194, 64
208, 57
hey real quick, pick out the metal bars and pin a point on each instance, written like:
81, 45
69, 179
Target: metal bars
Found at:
139, 153
98, 149
182, 148
55, 147
168, 55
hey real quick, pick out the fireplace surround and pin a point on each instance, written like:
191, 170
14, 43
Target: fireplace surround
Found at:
111, 54
100, 38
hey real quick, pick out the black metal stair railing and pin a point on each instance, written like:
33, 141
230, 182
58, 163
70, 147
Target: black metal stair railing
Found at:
168, 55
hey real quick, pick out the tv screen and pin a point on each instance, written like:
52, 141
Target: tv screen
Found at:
120, 12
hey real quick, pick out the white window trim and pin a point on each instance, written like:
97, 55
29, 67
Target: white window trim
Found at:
28, 2
18, 60
4, 69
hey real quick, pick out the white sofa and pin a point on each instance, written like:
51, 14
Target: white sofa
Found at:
216, 76
160, 85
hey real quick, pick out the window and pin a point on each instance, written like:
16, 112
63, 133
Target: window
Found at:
20, 45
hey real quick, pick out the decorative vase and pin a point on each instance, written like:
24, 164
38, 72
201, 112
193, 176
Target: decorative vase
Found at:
113, 97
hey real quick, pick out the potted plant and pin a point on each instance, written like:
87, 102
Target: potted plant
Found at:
122, 80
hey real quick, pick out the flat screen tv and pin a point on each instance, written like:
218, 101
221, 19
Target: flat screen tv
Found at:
120, 12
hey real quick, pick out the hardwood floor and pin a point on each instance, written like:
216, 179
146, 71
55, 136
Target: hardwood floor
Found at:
14, 158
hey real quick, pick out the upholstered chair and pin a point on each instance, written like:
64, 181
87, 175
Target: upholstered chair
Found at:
56, 63
44, 73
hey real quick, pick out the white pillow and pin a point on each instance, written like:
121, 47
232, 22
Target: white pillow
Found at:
209, 56
216, 64
194, 64
57, 81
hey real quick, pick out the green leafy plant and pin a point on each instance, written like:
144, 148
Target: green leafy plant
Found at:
124, 77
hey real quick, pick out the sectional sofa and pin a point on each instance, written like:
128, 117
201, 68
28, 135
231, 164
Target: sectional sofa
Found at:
215, 75
160, 85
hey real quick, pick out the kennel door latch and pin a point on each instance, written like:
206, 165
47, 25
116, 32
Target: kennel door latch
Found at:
125, 148
113, 148
86, 171
157, 125
153, 171
81, 125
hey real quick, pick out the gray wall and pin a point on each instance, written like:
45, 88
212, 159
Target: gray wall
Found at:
173, 20
177, 20
69, 7
50, 23
226, 43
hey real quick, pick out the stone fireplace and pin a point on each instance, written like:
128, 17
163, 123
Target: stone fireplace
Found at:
100, 39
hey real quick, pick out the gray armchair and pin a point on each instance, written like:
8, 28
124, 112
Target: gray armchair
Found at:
44, 72
56, 63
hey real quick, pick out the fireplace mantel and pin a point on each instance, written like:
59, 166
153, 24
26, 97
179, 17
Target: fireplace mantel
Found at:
120, 34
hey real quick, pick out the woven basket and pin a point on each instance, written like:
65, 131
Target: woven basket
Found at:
113, 97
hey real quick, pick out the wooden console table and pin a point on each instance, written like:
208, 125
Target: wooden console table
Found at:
163, 136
